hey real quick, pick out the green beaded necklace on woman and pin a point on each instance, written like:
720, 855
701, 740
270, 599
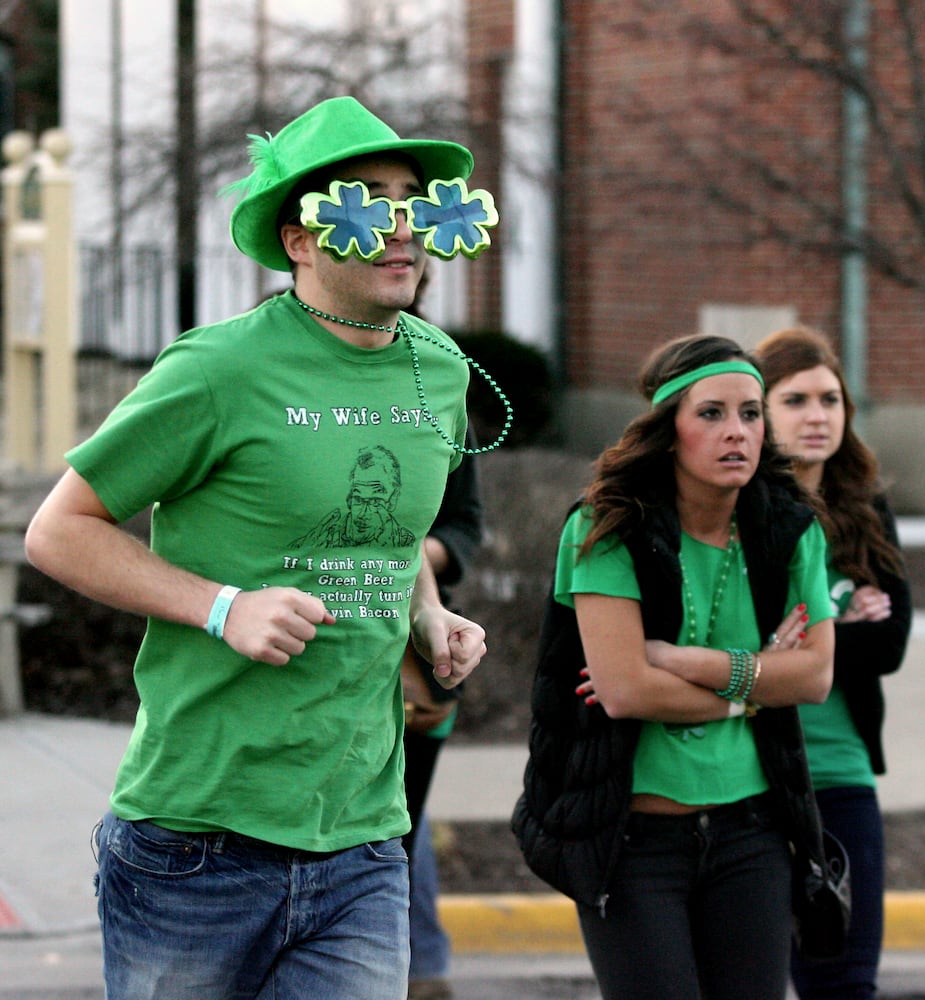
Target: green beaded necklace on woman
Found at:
718, 592
741, 680
401, 330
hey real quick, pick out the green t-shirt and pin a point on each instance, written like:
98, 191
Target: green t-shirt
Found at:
276, 454
837, 754
713, 762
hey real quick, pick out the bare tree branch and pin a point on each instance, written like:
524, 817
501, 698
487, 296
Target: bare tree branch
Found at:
243, 92
779, 173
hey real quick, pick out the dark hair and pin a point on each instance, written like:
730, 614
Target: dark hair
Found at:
638, 471
851, 477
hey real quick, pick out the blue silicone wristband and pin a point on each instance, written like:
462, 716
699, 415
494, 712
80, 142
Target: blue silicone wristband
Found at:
215, 626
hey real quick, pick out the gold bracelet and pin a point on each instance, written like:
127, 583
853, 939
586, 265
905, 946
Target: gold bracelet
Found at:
752, 707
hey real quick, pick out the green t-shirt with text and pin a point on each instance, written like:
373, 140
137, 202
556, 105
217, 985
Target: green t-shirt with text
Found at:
276, 454
837, 755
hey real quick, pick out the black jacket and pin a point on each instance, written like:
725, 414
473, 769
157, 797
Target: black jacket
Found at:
866, 651
578, 781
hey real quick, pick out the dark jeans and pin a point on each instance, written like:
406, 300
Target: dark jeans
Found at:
430, 945
421, 753
853, 815
700, 908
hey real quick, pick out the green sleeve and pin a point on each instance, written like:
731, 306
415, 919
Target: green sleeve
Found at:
159, 442
608, 569
809, 576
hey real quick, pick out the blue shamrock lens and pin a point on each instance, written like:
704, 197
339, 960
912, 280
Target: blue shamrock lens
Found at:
356, 222
450, 219
453, 220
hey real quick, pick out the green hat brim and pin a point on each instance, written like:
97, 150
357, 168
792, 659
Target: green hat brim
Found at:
254, 219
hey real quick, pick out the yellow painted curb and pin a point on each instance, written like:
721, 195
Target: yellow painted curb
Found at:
546, 922
905, 921
513, 922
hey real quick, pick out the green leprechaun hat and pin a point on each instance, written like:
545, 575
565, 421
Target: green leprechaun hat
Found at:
336, 129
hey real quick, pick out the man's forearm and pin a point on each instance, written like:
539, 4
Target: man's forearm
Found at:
105, 563
75, 540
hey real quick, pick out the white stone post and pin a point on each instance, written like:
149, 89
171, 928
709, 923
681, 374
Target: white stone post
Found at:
40, 288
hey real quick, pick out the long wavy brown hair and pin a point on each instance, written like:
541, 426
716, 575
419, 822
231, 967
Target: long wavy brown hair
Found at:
851, 477
637, 473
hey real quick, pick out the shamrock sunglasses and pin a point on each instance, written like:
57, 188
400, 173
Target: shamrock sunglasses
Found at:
450, 218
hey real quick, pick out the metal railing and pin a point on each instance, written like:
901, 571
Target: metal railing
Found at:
128, 314
128, 306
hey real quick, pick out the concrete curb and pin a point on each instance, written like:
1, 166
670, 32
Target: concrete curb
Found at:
546, 923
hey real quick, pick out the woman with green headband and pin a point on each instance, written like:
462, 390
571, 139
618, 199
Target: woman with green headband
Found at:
671, 797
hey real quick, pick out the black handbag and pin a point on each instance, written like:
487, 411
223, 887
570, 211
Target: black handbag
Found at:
822, 903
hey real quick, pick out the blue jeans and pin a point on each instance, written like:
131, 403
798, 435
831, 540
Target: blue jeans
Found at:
853, 815
430, 945
701, 908
223, 917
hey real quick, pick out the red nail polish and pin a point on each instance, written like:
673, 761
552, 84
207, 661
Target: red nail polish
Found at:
804, 618
802, 635
801, 607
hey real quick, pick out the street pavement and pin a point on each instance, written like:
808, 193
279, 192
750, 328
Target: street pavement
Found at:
57, 774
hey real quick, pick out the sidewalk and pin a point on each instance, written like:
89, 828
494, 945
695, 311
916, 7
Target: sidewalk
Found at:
58, 772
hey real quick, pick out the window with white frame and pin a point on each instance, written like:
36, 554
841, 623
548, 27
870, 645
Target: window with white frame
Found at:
746, 325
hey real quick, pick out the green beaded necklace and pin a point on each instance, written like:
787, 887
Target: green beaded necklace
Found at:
717, 592
407, 335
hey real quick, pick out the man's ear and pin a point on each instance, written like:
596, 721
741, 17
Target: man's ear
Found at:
297, 242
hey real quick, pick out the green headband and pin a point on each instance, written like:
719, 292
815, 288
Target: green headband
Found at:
674, 385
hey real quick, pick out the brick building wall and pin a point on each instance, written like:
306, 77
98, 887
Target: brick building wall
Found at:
642, 245
490, 38
896, 314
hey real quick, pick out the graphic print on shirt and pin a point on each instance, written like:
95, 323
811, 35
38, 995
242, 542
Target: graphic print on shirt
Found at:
841, 591
367, 517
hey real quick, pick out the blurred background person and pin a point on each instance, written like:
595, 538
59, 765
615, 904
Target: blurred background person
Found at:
811, 414
430, 714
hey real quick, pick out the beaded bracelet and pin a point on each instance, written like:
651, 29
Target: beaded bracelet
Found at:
215, 626
736, 675
741, 675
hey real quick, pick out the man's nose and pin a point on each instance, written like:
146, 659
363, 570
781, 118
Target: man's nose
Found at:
402, 229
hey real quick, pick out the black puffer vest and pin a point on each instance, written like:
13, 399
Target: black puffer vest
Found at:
578, 781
